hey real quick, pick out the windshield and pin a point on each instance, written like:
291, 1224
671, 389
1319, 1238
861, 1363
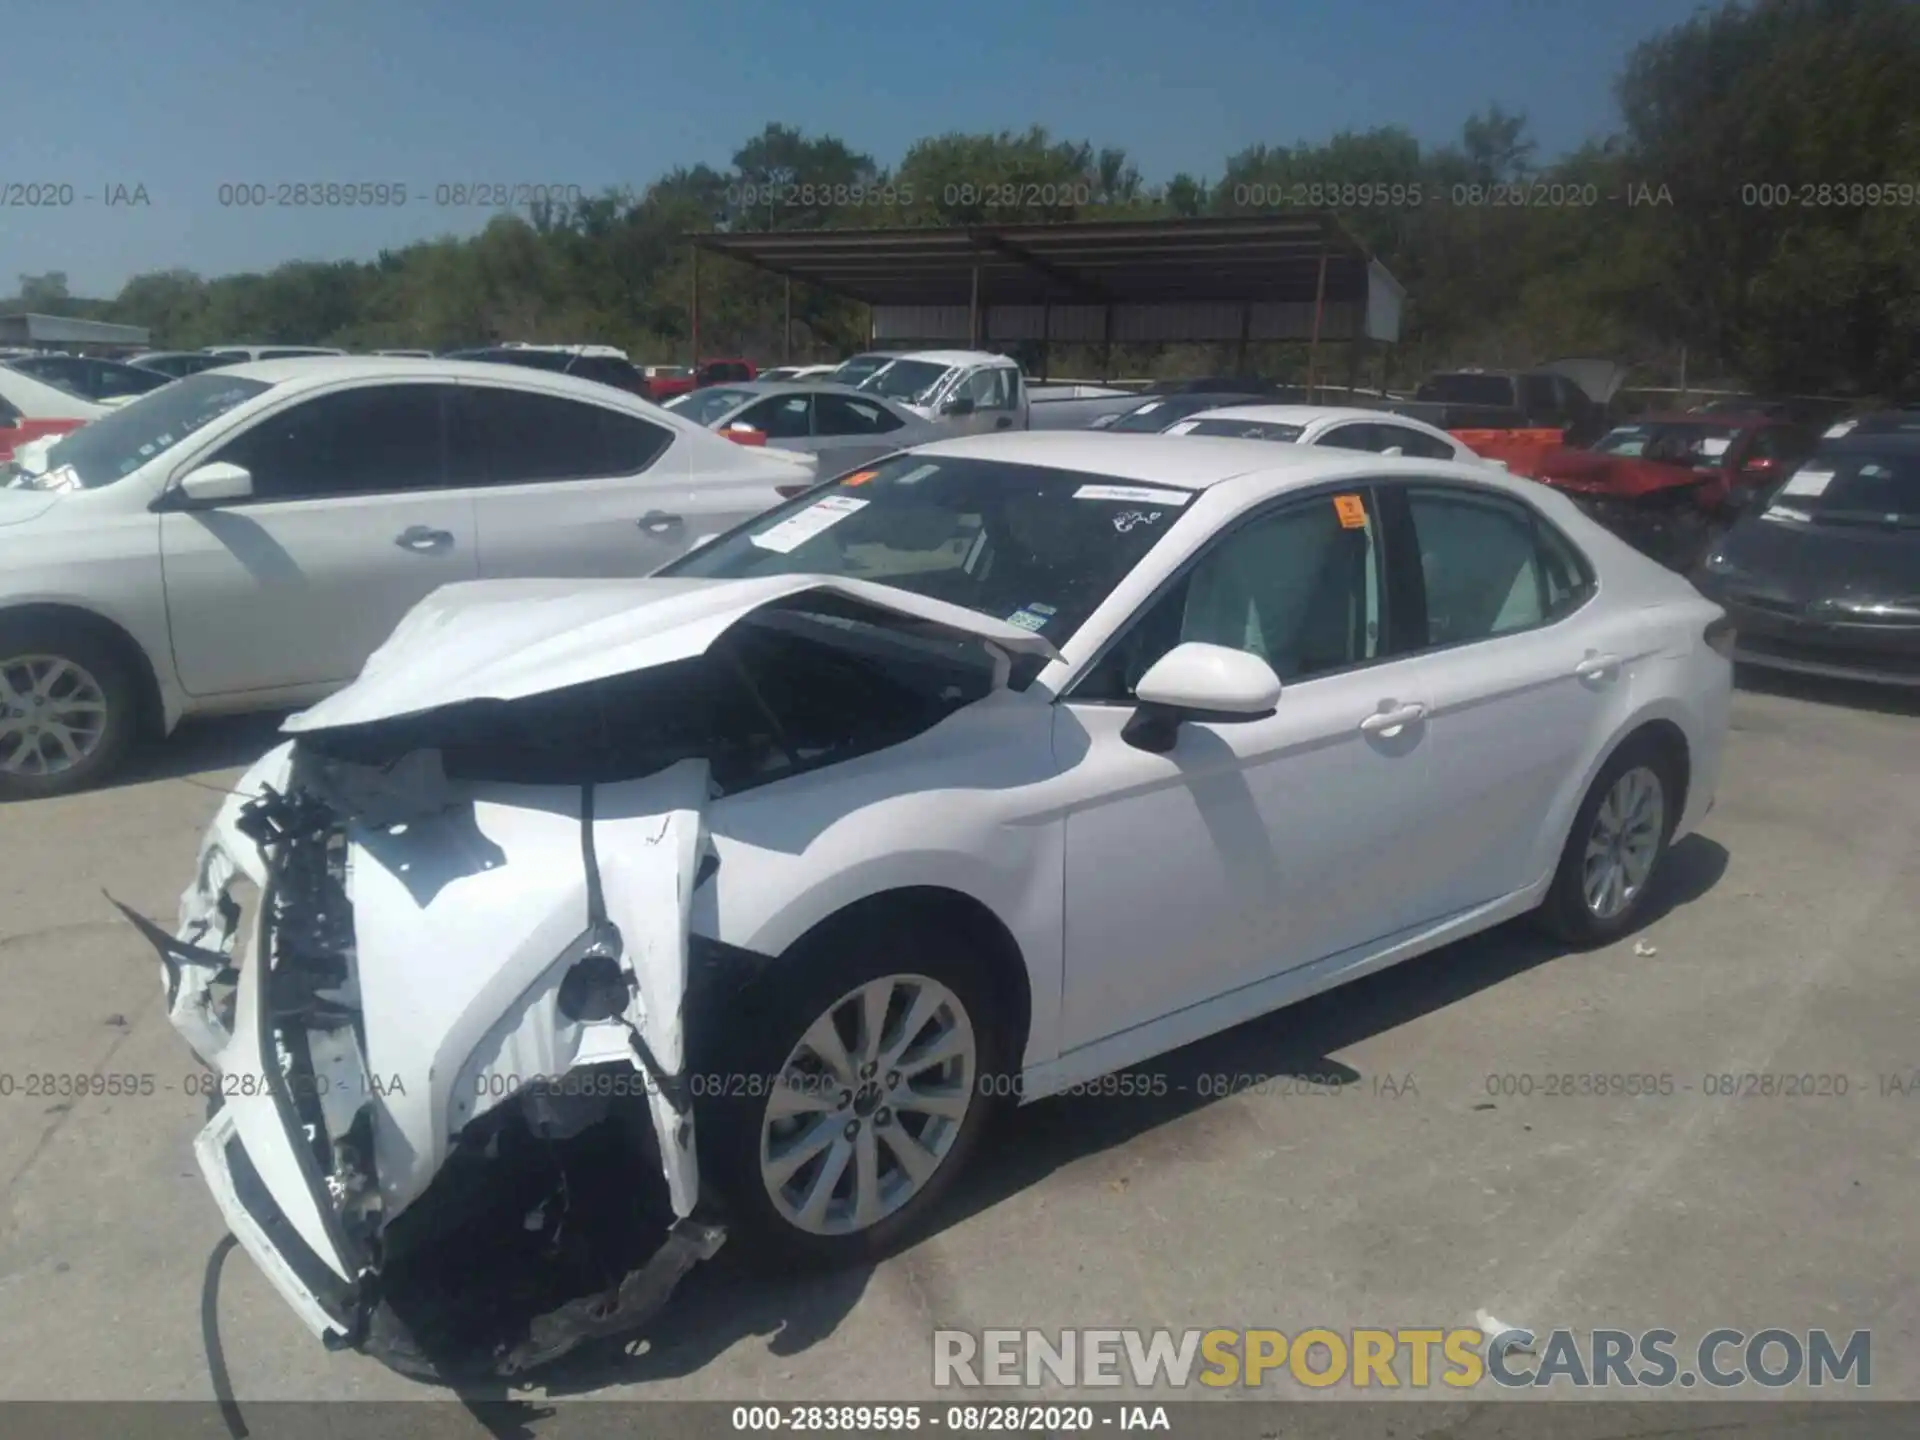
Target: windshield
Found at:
1676, 442
1037, 547
1852, 489
1242, 429
1467, 390
114, 446
703, 407
852, 372
913, 381
1156, 415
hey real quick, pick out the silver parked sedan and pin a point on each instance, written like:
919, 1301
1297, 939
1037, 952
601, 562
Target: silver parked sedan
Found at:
845, 427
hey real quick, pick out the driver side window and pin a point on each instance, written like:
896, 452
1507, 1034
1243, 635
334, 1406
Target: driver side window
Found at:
1300, 587
988, 387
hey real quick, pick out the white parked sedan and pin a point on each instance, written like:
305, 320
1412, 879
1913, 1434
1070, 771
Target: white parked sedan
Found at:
244, 538
1011, 763
1338, 426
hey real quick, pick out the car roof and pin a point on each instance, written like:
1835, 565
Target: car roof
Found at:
952, 357
1881, 442
316, 370
1703, 417
1184, 462
795, 387
1301, 415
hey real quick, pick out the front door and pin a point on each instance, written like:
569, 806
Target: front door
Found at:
346, 530
1252, 847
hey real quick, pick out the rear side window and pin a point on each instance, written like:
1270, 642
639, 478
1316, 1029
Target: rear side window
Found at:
1351, 437
498, 436
843, 415
607, 371
1489, 566
1414, 443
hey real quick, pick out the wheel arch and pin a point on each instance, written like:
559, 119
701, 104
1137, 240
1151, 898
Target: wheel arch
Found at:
152, 717
954, 912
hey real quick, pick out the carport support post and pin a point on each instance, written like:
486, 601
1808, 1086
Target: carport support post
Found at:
786, 326
1106, 342
973, 311
1246, 333
1313, 344
693, 314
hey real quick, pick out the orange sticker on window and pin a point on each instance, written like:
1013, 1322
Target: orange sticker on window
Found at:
860, 477
1352, 511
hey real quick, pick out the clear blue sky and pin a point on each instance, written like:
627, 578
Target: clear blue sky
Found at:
183, 96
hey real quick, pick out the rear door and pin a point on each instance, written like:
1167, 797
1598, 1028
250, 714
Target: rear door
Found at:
1526, 676
348, 527
564, 487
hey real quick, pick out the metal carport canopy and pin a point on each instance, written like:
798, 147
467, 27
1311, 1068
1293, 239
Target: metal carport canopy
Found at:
1281, 276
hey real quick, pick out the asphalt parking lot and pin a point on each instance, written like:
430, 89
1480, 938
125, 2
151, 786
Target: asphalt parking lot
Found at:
1406, 1187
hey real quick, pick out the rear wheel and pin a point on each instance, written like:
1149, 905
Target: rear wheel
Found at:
855, 1098
1614, 850
68, 708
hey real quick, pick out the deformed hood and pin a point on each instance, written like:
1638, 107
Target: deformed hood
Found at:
508, 639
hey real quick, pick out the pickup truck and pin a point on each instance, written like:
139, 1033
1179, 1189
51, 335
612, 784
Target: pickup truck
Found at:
1515, 415
963, 392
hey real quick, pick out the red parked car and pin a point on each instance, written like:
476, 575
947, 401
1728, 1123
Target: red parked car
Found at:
1664, 481
30, 409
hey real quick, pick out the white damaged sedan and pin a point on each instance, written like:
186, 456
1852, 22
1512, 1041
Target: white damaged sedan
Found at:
599, 922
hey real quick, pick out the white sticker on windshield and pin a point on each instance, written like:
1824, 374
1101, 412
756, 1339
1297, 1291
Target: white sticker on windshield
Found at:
794, 531
916, 475
1148, 408
63, 479
1845, 427
1807, 482
1185, 427
1777, 511
1714, 446
1139, 494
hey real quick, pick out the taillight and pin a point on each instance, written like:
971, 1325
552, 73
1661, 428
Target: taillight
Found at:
1720, 636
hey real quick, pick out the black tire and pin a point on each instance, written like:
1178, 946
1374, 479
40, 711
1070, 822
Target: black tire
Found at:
1565, 911
769, 1023
110, 670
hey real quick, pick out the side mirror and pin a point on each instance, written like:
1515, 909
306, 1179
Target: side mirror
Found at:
212, 483
745, 435
1198, 681
959, 405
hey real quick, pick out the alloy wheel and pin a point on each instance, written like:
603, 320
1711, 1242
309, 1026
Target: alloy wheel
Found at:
53, 715
868, 1104
1624, 842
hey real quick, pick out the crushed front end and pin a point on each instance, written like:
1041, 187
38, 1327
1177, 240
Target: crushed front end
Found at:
452, 1125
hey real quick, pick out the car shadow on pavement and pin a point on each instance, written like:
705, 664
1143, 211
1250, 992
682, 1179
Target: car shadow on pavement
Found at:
726, 1301
1821, 690
200, 749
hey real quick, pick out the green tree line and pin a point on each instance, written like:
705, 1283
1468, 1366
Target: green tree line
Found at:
1757, 211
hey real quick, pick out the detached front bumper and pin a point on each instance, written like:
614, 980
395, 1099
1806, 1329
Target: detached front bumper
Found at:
351, 1072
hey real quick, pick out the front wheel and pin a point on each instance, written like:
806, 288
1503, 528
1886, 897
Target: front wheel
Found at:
872, 1098
68, 708
1618, 840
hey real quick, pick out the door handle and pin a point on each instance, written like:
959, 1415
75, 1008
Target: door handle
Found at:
1392, 722
423, 538
1598, 667
658, 522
